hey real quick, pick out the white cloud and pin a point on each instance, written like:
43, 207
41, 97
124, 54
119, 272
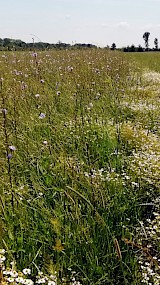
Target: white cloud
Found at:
67, 17
104, 25
151, 26
122, 25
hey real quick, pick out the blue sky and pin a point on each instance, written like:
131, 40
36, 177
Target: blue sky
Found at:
91, 21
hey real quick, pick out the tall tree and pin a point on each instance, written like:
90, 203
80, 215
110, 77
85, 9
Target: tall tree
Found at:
113, 46
156, 43
146, 39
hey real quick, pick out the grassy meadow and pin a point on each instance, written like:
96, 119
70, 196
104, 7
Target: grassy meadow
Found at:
80, 167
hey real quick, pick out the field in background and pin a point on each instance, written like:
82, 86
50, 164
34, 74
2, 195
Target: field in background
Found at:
80, 165
149, 60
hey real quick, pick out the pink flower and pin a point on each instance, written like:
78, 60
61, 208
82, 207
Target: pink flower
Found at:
12, 147
34, 54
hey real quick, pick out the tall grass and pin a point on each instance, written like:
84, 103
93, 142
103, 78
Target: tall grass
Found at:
70, 187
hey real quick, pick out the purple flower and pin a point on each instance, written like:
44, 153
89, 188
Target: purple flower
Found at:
4, 111
42, 116
34, 54
12, 147
9, 156
57, 84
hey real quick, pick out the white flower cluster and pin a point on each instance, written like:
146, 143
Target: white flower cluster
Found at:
140, 106
2, 257
144, 161
151, 76
146, 166
12, 276
149, 260
153, 229
149, 276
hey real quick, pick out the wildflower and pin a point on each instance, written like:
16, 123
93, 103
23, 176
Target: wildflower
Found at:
51, 283
134, 183
26, 271
13, 274
90, 105
40, 273
2, 251
54, 277
12, 147
58, 92
42, 81
2, 258
9, 156
42, 116
20, 280
28, 282
45, 142
34, 54
37, 95
41, 280
4, 111
23, 86
6, 272
10, 279
16, 72
21, 187
13, 263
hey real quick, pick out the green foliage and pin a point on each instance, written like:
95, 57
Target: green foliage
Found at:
68, 143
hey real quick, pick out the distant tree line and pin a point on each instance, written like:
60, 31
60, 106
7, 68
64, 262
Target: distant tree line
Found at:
12, 44
133, 48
